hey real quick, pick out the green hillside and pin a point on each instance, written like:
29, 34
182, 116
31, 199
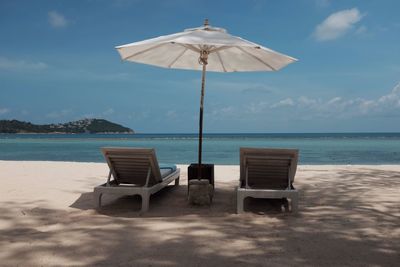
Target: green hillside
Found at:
80, 126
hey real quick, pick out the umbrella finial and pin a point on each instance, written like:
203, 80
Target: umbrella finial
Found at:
206, 22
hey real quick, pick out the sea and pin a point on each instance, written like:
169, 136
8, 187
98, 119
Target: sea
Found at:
315, 148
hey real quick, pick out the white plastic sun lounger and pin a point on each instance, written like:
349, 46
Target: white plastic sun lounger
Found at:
267, 173
135, 171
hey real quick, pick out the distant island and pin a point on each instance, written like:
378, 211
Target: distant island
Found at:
91, 126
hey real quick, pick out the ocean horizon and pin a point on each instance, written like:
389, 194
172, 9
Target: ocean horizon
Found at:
218, 148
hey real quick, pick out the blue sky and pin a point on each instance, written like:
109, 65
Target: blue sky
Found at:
58, 63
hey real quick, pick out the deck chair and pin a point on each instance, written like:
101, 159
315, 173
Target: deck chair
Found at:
267, 173
135, 171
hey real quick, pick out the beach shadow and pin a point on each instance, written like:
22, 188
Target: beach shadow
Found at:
172, 201
346, 219
262, 206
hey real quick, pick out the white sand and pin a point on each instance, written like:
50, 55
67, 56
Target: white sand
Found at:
348, 215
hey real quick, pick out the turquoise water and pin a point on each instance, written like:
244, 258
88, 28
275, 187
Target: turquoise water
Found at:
337, 148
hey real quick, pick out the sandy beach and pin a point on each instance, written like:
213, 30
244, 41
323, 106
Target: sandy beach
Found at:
348, 216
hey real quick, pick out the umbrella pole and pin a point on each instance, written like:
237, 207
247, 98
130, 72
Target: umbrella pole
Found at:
203, 76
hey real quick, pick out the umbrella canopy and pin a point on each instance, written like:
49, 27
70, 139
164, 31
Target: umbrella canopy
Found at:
204, 48
226, 53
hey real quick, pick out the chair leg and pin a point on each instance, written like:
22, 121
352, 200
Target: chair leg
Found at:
285, 203
177, 181
239, 202
97, 199
294, 203
145, 202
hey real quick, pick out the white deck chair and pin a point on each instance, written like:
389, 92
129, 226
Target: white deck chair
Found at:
267, 173
135, 171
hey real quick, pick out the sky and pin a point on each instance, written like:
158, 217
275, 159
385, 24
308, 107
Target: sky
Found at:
58, 64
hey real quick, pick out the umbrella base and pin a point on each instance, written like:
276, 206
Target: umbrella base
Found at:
200, 192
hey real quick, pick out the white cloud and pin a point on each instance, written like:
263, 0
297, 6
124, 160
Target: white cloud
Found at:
366, 106
304, 101
334, 101
57, 20
336, 107
388, 103
288, 102
21, 65
391, 99
337, 24
4, 111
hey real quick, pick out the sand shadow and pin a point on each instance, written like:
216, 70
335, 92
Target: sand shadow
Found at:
346, 220
172, 201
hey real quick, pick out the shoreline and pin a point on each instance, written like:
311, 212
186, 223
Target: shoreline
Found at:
216, 165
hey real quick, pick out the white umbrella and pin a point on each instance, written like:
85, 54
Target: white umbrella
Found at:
204, 48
